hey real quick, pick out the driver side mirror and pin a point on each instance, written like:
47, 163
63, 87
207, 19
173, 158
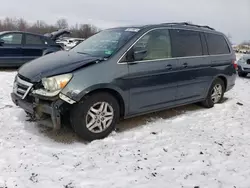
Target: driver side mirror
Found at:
140, 55
1, 42
136, 55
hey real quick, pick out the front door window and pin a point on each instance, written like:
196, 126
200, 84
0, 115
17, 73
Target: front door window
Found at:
156, 45
12, 38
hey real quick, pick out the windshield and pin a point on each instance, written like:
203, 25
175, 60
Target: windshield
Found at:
105, 43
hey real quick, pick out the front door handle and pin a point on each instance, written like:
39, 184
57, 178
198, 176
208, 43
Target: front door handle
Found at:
184, 65
169, 67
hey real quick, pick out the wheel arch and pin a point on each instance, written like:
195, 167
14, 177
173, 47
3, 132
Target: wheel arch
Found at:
115, 92
222, 77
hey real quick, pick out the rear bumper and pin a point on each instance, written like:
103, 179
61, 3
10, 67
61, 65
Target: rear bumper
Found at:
39, 109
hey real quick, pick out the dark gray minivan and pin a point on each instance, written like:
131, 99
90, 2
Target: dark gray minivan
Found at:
124, 72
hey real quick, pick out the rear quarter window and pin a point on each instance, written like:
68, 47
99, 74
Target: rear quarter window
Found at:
217, 44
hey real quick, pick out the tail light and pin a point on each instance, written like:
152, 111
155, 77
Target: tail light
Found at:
235, 65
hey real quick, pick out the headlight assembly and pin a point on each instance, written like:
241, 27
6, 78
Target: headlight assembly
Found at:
53, 85
56, 82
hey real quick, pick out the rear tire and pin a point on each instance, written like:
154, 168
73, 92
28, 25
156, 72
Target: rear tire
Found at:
215, 93
242, 74
95, 117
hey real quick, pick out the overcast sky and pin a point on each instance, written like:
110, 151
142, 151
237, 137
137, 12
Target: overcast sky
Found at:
228, 16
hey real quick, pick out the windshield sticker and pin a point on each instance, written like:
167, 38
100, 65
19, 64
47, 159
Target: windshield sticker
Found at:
108, 52
132, 29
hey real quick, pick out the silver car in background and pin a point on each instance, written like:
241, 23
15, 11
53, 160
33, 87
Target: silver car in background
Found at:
244, 65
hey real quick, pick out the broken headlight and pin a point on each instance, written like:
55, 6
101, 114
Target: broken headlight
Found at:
53, 85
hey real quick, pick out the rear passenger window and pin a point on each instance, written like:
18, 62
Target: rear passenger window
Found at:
217, 44
33, 40
185, 43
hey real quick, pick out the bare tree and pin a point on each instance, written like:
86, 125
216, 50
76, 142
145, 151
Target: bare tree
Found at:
22, 25
87, 30
9, 24
62, 23
40, 24
41, 27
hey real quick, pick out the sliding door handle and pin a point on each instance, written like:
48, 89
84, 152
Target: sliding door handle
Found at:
169, 67
184, 65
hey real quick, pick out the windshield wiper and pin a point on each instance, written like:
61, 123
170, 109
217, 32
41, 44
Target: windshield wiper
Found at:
99, 58
84, 53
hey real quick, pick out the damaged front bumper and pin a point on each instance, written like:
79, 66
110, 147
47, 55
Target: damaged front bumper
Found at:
42, 110
45, 110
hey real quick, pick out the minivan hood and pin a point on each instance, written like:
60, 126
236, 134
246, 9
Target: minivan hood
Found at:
55, 64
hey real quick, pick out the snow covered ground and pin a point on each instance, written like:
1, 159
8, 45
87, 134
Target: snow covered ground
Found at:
183, 147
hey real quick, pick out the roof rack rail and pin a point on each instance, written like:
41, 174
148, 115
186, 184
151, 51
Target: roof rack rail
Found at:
189, 24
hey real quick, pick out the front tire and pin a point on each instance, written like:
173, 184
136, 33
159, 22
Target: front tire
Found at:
96, 116
215, 94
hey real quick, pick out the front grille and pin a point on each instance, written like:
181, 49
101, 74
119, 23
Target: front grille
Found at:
21, 87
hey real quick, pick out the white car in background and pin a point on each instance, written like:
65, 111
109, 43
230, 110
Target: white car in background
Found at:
244, 65
69, 43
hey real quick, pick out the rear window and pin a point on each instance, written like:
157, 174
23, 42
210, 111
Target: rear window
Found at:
186, 43
217, 44
33, 40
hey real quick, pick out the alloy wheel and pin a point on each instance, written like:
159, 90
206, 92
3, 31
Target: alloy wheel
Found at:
216, 93
99, 117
